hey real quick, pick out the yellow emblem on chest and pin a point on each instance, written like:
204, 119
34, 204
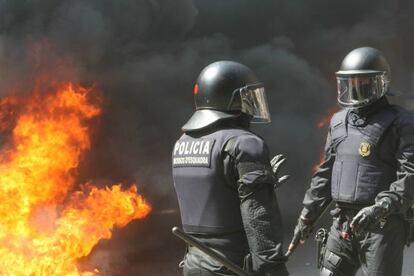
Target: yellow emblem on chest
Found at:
364, 149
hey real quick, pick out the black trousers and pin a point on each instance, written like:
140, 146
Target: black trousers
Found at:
378, 253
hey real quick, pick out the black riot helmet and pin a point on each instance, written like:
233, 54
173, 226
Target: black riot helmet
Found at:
363, 78
225, 89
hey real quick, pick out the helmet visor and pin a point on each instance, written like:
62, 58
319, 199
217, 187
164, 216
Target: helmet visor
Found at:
254, 103
357, 91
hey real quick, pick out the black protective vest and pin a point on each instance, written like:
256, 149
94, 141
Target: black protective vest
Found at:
359, 172
208, 203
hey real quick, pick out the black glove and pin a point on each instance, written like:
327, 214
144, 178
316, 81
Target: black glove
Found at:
303, 229
370, 216
276, 164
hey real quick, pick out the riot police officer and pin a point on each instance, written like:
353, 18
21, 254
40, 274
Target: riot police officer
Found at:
223, 177
368, 172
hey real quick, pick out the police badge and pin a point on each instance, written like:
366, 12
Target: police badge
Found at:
364, 149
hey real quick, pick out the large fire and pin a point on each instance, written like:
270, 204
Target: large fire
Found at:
46, 226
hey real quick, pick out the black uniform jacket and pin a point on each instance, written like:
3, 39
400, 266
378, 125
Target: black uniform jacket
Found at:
245, 164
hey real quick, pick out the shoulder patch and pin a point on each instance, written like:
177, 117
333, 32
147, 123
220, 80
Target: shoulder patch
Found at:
193, 153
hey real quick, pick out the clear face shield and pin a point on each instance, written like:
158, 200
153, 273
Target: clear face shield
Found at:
356, 91
254, 102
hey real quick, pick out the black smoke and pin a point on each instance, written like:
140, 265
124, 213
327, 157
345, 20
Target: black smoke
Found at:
145, 55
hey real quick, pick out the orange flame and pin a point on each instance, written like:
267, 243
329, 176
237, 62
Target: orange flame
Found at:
45, 227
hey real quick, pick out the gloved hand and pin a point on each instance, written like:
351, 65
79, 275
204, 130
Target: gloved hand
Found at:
303, 229
276, 164
370, 216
